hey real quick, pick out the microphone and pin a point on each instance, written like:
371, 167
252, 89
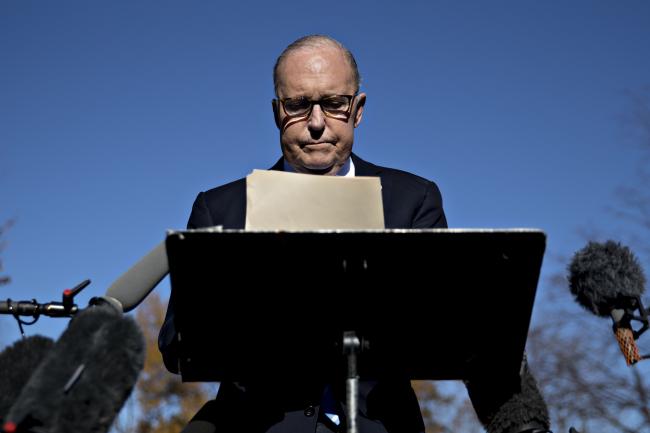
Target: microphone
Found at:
130, 289
84, 379
506, 406
17, 363
90, 371
607, 280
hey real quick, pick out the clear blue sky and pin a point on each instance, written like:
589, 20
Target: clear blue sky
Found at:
113, 115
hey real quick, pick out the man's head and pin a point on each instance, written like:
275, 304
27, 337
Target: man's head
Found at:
317, 138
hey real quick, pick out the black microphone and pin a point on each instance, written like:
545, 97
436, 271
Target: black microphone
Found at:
525, 411
506, 406
607, 280
17, 363
83, 382
85, 378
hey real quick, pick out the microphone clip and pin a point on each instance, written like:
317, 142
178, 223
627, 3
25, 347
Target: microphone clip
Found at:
631, 310
69, 294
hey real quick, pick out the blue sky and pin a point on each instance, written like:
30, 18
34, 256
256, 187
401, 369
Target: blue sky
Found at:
113, 115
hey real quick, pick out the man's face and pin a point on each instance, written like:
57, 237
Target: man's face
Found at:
317, 144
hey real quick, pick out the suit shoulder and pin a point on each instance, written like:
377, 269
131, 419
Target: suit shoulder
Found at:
225, 190
406, 179
224, 205
410, 201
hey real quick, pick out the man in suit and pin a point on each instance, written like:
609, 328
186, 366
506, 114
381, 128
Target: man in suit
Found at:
317, 108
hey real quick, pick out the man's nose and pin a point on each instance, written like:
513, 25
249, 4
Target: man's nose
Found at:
316, 119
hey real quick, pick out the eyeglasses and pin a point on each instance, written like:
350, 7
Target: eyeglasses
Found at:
334, 106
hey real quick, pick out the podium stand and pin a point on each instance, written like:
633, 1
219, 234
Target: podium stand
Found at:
424, 304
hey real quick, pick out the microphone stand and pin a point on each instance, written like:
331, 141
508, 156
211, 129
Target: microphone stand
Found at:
34, 309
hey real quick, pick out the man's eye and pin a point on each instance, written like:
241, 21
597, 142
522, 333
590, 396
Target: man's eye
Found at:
335, 103
296, 105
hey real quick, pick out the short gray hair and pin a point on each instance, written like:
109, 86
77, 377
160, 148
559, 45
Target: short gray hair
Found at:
317, 41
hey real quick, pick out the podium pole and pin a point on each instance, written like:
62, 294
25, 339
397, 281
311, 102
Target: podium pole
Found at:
351, 347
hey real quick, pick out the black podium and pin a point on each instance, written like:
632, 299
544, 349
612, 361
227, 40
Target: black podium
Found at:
425, 304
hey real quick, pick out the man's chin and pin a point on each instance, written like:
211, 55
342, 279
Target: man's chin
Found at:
320, 167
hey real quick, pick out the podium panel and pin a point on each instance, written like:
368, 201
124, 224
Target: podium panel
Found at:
427, 304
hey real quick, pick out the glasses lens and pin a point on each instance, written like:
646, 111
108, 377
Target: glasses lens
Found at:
296, 106
335, 104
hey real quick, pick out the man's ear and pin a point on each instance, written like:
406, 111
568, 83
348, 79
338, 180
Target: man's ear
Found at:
358, 114
276, 113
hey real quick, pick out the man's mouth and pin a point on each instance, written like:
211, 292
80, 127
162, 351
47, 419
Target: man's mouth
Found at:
317, 145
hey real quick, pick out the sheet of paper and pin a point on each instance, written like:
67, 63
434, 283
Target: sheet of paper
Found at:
277, 200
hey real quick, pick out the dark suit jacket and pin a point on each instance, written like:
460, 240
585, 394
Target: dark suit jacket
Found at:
386, 406
409, 201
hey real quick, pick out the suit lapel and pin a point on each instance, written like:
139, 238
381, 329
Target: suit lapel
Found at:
364, 168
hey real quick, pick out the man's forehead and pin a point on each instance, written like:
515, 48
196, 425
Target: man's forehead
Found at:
315, 63
324, 52
325, 65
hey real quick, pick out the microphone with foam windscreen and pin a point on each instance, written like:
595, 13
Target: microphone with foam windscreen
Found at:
504, 406
82, 383
607, 280
84, 379
17, 363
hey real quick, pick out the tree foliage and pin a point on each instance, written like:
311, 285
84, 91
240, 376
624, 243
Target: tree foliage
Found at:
446, 408
4, 279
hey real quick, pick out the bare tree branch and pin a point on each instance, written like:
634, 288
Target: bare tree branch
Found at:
4, 279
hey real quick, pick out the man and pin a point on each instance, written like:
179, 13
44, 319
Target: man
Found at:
317, 108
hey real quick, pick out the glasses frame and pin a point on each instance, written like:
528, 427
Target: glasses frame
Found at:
331, 113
